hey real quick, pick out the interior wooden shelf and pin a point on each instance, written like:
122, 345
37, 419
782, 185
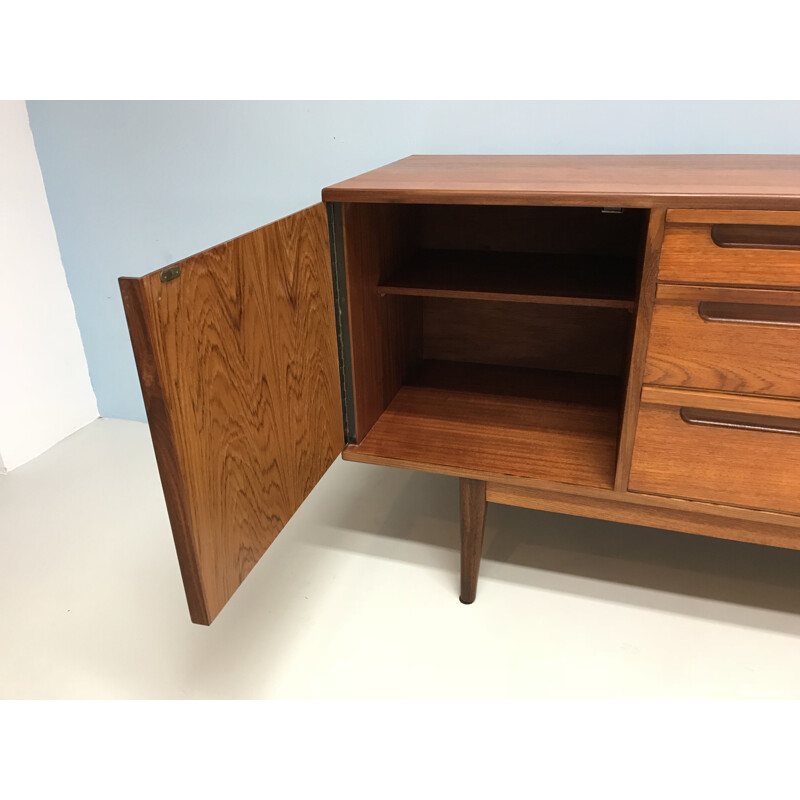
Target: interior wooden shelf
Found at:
553, 426
588, 280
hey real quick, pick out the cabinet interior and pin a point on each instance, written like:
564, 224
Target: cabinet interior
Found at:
493, 338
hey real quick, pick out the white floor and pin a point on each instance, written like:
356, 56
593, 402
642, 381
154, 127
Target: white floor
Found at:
358, 598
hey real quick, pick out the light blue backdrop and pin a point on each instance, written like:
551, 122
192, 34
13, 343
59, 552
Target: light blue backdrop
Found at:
135, 185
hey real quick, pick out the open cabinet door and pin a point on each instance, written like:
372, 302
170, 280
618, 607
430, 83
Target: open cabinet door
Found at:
237, 357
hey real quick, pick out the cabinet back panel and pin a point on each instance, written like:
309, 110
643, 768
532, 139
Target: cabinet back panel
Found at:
557, 337
531, 229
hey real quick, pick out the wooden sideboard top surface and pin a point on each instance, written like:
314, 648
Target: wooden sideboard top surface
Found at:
689, 181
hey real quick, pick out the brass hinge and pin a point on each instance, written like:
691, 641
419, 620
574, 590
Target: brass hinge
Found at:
170, 274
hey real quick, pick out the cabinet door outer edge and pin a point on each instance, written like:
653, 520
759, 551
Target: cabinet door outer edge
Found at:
163, 439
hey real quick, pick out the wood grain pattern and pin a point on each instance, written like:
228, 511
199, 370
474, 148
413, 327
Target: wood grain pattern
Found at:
620, 509
568, 338
689, 351
690, 255
239, 369
725, 294
752, 468
559, 427
557, 279
636, 364
687, 506
472, 496
721, 402
694, 181
385, 332
165, 445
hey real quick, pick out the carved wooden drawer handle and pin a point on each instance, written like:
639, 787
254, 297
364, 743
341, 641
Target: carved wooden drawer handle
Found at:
744, 422
771, 237
754, 313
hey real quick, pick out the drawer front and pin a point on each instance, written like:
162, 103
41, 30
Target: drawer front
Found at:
741, 451
730, 340
739, 248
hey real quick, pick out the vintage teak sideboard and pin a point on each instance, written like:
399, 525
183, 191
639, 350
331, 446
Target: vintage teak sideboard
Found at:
605, 336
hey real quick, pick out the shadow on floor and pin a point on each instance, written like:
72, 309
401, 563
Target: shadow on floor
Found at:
680, 570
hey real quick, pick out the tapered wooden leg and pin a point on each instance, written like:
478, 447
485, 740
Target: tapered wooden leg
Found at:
473, 519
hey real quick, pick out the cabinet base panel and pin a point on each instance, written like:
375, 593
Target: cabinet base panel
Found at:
531, 423
705, 523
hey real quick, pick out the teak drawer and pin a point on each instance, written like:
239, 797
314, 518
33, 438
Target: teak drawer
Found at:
731, 340
740, 248
737, 450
